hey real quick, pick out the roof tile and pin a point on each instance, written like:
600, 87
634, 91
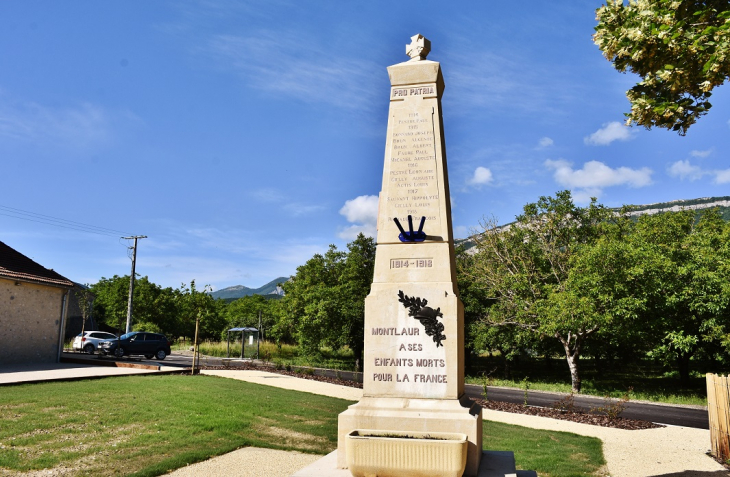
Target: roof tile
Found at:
16, 266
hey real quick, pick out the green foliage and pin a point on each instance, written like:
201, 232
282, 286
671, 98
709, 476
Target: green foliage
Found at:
687, 270
195, 305
110, 305
649, 379
165, 310
525, 387
525, 270
146, 326
85, 299
324, 302
152, 303
680, 48
658, 286
246, 311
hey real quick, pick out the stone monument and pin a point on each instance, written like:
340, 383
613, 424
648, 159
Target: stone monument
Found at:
413, 376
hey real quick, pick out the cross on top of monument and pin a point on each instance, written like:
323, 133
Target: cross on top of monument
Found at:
419, 48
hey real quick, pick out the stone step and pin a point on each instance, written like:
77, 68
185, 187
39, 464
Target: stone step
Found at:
501, 464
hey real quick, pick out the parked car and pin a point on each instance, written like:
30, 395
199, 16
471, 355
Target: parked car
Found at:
138, 342
88, 341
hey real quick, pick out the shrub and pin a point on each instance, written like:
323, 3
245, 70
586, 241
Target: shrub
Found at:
612, 408
566, 404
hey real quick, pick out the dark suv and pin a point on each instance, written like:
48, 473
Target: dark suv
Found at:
137, 342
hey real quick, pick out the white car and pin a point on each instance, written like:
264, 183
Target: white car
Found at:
88, 341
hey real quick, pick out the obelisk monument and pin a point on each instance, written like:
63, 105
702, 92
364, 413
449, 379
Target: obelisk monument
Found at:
413, 375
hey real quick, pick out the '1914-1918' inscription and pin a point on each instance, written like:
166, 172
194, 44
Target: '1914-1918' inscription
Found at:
411, 263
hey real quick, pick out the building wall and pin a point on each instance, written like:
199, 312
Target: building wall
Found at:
74, 317
30, 320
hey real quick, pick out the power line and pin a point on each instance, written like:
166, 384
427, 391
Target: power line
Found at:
57, 222
63, 226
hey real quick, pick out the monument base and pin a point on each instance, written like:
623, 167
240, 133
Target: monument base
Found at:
416, 415
493, 464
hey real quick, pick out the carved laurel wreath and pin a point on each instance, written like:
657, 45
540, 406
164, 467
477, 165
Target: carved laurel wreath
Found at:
426, 315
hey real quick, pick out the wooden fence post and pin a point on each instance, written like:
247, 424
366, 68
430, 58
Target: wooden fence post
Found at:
718, 410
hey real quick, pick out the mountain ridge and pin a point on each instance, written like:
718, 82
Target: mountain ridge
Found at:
239, 291
723, 203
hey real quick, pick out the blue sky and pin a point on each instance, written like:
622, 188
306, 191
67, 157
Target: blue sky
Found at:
244, 137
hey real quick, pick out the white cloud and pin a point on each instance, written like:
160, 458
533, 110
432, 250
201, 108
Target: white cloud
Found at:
296, 209
584, 196
274, 196
292, 66
267, 195
362, 212
79, 127
501, 81
701, 153
546, 142
722, 177
481, 176
685, 170
597, 175
460, 231
613, 131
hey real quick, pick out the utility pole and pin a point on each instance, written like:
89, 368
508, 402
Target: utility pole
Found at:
131, 280
258, 337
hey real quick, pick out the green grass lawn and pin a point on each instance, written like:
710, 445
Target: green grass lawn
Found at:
551, 454
148, 425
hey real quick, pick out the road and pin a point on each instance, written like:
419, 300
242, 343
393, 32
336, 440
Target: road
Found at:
662, 414
659, 413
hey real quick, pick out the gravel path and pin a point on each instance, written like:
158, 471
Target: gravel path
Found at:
250, 462
665, 452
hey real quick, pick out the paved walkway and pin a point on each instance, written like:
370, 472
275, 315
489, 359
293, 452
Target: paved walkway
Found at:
17, 374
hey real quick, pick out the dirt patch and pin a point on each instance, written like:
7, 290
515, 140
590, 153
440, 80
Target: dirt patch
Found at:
574, 416
314, 377
292, 438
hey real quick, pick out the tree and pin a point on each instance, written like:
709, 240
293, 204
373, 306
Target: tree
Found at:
687, 263
509, 341
86, 303
524, 269
246, 311
198, 306
355, 282
325, 300
154, 306
110, 305
313, 300
681, 49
